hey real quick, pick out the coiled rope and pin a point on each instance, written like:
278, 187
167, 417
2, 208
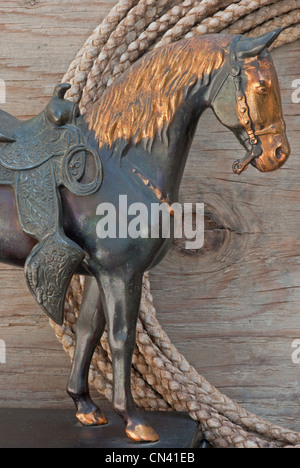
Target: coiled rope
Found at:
162, 379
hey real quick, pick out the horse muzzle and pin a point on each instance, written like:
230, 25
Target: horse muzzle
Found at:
271, 154
272, 159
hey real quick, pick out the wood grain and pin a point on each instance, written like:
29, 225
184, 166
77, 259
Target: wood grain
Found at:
231, 308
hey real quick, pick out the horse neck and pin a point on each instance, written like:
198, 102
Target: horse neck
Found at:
162, 159
171, 156
157, 128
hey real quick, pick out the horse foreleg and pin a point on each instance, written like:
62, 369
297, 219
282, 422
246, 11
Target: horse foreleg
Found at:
90, 327
121, 300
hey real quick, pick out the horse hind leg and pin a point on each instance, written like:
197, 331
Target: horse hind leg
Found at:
121, 300
90, 327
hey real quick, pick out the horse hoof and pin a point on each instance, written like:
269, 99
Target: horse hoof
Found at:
142, 434
96, 418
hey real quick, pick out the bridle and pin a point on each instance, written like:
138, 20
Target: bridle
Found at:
251, 140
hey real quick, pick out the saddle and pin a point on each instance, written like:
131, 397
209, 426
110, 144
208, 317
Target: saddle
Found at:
37, 157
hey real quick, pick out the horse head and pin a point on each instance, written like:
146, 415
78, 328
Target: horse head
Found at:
256, 118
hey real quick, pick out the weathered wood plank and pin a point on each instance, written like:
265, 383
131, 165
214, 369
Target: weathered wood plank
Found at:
38, 43
232, 308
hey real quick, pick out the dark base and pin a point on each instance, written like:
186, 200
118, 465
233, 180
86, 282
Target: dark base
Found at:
40, 428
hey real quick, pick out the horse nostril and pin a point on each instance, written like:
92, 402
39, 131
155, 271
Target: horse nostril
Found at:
280, 154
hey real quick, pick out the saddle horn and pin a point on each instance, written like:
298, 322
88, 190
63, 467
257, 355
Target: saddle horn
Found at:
61, 90
59, 110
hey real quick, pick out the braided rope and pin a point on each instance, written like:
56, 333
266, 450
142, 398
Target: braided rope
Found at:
258, 18
162, 379
222, 19
80, 67
284, 21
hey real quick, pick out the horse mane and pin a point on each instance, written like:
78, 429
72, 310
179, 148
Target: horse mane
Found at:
143, 101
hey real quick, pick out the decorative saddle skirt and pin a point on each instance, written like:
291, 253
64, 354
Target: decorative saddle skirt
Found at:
37, 157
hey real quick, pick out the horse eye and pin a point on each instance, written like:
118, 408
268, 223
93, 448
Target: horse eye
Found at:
262, 87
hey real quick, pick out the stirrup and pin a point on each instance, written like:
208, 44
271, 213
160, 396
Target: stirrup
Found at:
49, 270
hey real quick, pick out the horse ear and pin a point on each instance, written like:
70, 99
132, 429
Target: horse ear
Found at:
252, 47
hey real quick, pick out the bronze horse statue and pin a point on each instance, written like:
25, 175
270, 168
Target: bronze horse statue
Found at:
134, 141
